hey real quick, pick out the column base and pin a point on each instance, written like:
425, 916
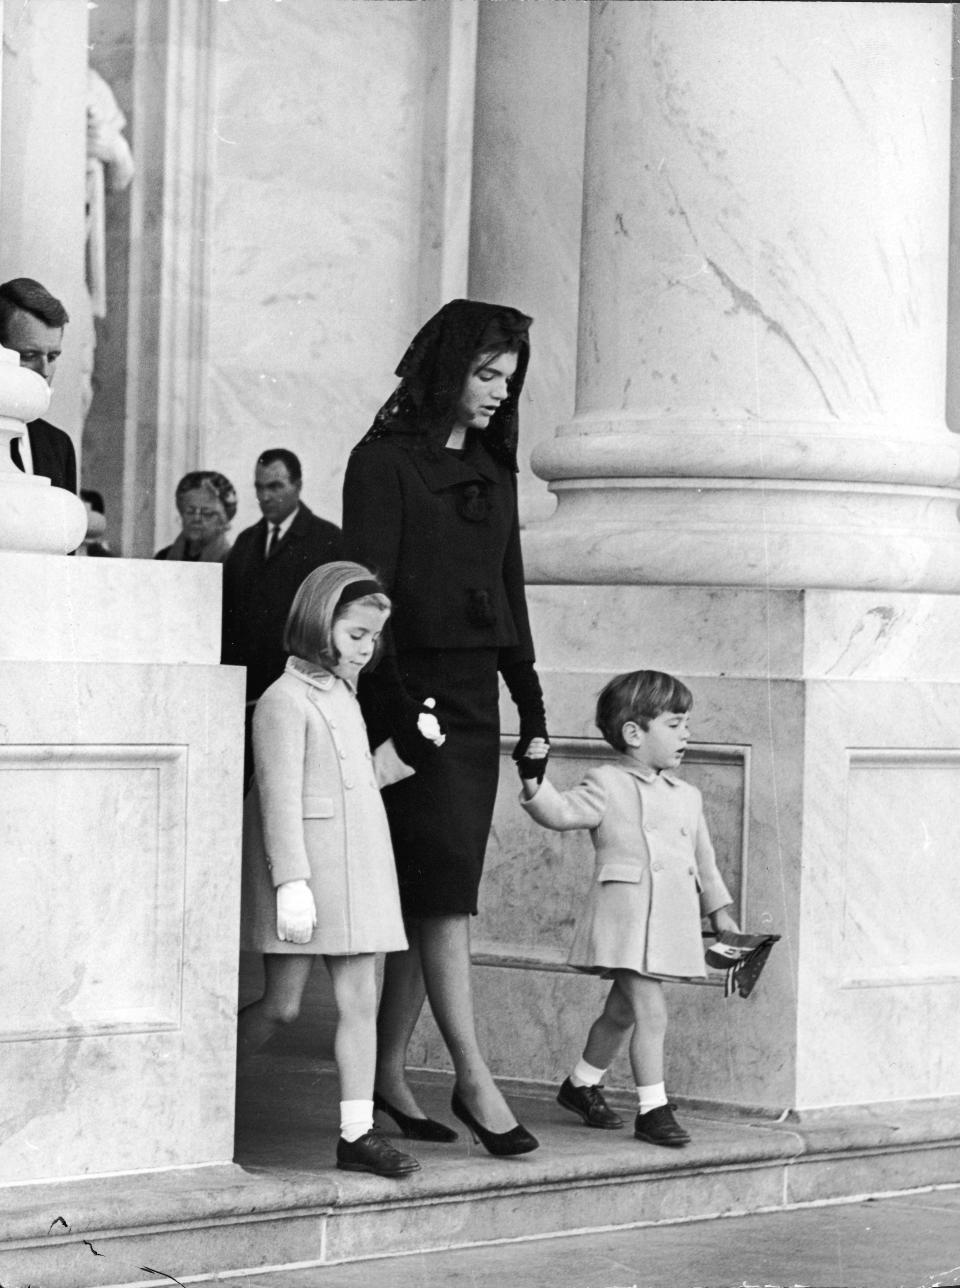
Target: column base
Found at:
748, 532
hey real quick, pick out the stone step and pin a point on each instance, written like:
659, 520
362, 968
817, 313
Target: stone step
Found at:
283, 1205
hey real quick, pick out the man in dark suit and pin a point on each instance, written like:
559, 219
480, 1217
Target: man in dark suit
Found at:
265, 567
31, 323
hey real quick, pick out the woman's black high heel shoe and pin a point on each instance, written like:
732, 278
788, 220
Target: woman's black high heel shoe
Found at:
414, 1128
502, 1143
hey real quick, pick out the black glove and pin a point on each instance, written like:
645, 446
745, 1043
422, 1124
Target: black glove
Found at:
523, 684
531, 766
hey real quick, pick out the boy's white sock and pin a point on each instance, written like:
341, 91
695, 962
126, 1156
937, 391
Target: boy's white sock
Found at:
585, 1075
356, 1118
652, 1097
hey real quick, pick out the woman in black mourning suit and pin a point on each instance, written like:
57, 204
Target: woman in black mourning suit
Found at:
430, 505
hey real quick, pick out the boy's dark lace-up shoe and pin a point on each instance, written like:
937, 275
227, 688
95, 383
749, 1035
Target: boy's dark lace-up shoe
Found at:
659, 1127
589, 1104
373, 1153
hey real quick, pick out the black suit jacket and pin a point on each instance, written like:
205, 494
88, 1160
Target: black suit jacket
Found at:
442, 534
52, 452
258, 592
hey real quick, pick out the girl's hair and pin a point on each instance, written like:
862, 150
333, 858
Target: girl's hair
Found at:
640, 696
309, 629
217, 486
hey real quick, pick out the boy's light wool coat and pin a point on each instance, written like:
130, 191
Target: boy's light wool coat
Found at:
655, 873
315, 813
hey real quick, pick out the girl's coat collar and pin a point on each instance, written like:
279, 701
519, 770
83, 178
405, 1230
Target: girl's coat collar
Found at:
312, 673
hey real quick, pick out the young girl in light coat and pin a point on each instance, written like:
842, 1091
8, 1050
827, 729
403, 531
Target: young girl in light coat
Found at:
318, 869
655, 878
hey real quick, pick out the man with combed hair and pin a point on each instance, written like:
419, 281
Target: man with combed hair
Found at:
31, 323
263, 572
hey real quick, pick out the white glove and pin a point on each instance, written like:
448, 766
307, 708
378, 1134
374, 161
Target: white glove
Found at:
296, 912
429, 725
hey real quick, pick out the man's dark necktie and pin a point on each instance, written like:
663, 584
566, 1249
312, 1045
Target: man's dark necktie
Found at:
274, 539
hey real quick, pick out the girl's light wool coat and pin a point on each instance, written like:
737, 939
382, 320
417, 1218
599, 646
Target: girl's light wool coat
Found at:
315, 813
655, 872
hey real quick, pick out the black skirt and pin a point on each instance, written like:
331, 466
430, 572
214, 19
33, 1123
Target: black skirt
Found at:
440, 818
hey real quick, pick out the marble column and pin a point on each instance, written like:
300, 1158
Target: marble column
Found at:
43, 176
527, 197
171, 237
760, 381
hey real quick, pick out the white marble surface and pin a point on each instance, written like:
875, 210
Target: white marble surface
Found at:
760, 384
120, 903
746, 632
120, 958
327, 213
109, 610
749, 532
35, 516
315, 271
722, 142
879, 979
121, 749
527, 201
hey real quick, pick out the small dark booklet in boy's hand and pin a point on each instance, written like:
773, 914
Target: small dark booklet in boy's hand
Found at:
742, 957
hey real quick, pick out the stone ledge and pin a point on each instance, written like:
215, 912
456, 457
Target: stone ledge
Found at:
284, 1204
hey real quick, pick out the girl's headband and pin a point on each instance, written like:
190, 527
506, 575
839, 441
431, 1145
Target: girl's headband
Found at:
358, 590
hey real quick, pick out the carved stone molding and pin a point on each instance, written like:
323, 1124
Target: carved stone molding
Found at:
169, 279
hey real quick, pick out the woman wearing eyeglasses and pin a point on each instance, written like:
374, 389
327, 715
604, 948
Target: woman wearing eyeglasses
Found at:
206, 502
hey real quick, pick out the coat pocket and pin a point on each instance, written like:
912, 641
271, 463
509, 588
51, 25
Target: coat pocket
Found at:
619, 872
317, 807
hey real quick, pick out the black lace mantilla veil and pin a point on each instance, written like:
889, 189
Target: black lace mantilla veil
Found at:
420, 411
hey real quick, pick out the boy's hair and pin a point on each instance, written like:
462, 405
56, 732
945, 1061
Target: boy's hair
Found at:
640, 696
309, 629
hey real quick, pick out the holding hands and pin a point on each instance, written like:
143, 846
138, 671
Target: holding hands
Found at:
428, 724
532, 760
296, 912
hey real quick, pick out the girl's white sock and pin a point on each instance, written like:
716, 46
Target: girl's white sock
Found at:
586, 1075
652, 1097
356, 1118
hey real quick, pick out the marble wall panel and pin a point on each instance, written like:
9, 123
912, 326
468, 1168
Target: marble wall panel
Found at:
899, 917
316, 230
879, 983
119, 862
119, 968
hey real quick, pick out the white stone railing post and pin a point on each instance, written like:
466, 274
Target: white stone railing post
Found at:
34, 515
